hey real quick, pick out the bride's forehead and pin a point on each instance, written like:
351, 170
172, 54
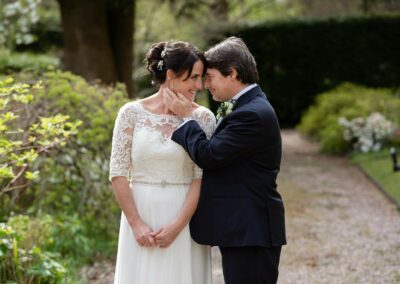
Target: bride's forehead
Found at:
198, 65
197, 69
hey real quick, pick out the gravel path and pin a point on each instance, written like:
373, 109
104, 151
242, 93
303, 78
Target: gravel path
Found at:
340, 228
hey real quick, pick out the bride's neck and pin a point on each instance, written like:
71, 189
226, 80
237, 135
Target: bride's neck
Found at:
157, 103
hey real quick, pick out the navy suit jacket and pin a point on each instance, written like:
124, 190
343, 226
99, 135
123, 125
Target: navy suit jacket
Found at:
239, 204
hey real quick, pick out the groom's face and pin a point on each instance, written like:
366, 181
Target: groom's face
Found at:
218, 85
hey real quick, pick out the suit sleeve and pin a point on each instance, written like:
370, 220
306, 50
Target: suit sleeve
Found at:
241, 137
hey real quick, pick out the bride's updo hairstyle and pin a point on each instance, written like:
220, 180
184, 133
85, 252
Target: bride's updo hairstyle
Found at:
179, 56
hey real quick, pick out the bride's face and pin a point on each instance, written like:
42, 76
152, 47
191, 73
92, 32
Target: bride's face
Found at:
189, 86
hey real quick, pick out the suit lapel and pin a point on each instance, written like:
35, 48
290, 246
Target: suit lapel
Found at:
248, 96
244, 99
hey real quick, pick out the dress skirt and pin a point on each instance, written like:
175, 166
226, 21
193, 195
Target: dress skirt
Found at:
183, 262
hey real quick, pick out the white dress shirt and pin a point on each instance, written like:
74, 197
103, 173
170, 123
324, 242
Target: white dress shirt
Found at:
248, 88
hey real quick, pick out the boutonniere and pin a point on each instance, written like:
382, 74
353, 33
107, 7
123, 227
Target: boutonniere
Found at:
225, 108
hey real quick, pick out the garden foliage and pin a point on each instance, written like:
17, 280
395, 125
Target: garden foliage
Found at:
24, 135
65, 203
40, 249
347, 102
12, 62
16, 20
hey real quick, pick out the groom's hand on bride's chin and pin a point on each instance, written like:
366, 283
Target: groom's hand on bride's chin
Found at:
177, 103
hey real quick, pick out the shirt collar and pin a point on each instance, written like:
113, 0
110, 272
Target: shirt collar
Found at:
248, 88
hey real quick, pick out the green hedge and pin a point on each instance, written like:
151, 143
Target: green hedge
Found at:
299, 59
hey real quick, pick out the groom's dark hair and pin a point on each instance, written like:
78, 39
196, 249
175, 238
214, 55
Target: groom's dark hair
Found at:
233, 53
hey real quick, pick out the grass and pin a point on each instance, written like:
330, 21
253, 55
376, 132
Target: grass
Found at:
379, 166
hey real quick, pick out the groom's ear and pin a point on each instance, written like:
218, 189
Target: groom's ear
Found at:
233, 75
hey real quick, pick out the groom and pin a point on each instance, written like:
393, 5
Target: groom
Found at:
240, 209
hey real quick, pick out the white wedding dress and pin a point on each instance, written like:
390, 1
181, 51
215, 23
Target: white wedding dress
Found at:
160, 172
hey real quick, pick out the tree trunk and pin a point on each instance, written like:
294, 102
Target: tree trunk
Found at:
121, 24
219, 9
98, 41
366, 6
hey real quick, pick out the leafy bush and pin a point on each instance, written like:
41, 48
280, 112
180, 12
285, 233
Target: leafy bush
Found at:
11, 62
26, 264
30, 25
32, 231
77, 178
60, 240
74, 179
47, 31
16, 20
61, 234
367, 134
24, 137
347, 101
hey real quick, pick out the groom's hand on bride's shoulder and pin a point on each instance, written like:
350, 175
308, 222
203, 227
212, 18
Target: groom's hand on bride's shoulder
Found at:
177, 103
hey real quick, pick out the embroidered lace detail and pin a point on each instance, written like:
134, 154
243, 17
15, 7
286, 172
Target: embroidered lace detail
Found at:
120, 161
142, 149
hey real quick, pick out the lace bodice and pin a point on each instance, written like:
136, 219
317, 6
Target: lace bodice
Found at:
142, 149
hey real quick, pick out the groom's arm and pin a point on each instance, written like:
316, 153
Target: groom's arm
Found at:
242, 136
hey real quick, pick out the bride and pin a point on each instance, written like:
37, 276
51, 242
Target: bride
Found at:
156, 184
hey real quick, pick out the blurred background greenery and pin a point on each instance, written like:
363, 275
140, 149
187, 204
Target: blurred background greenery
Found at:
328, 68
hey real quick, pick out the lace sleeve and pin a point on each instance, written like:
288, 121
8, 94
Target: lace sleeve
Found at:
120, 161
207, 122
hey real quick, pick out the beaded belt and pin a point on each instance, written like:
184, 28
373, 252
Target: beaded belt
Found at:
162, 183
